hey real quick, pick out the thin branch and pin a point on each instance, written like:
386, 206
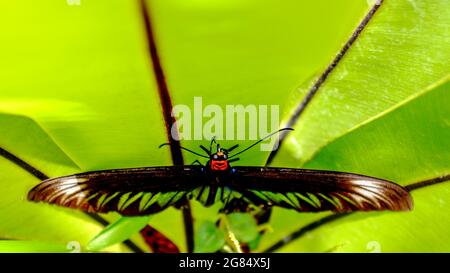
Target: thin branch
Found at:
302, 231
188, 226
428, 182
169, 120
24, 165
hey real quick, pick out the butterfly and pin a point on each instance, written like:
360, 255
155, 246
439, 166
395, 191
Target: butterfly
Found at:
148, 190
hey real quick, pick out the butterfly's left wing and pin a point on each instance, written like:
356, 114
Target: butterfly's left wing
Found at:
314, 190
137, 191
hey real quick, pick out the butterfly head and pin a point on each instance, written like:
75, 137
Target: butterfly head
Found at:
219, 160
221, 154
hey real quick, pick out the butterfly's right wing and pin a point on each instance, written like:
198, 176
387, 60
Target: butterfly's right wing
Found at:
315, 190
138, 191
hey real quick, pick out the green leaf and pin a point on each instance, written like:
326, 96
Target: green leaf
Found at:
401, 53
38, 148
407, 145
118, 232
37, 222
244, 226
209, 238
391, 66
29, 221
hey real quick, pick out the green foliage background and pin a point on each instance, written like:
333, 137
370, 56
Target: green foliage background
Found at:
77, 93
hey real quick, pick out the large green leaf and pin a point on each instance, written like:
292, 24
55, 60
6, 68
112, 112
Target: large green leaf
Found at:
407, 145
400, 54
388, 68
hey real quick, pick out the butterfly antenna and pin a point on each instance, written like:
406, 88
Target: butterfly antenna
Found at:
261, 140
213, 140
204, 149
186, 149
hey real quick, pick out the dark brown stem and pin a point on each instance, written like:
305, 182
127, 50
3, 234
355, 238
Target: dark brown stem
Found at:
188, 226
169, 120
22, 164
429, 182
302, 231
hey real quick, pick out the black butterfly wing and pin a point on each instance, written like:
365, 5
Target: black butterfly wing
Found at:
142, 191
138, 191
313, 190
